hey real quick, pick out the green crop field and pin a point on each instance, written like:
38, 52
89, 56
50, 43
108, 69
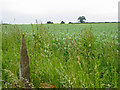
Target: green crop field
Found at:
63, 55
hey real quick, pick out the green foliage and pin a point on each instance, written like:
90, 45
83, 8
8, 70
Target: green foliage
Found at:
87, 58
0, 55
81, 19
62, 22
49, 22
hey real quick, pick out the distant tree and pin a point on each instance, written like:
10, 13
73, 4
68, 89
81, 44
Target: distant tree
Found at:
49, 22
81, 19
70, 22
62, 22
107, 22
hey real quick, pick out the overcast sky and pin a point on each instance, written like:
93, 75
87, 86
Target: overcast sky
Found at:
26, 11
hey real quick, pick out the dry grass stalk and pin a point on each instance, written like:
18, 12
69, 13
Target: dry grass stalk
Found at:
24, 70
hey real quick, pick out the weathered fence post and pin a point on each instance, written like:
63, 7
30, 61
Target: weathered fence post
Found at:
24, 70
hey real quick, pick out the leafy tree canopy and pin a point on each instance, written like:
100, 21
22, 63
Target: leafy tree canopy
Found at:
81, 19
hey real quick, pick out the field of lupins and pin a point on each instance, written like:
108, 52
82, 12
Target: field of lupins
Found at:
63, 55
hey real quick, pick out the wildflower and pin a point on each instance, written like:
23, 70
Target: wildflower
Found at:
42, 55
78, 62
89, 45
46, 85
64, 47
69, 37
64, 38
53, 86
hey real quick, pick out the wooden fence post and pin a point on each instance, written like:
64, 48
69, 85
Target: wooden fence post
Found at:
24, 70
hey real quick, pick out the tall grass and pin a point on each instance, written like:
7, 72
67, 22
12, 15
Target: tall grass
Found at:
0, 56
62, 59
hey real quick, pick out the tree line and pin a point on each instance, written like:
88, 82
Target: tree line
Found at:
81, 19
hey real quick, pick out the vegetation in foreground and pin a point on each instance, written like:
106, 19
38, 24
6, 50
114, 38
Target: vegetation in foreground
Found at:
87, 58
